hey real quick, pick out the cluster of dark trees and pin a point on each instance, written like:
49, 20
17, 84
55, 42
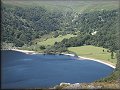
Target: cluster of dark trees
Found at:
22, 25
105, 23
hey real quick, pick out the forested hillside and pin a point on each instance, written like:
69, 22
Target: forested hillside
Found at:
104, 23
25, 21
21, 25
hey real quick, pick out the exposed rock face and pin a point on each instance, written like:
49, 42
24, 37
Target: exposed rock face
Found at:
64, 83
74, 86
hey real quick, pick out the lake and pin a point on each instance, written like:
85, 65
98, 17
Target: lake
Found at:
20, 70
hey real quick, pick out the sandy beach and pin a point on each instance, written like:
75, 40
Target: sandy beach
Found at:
24, 51
100, 61
80, 57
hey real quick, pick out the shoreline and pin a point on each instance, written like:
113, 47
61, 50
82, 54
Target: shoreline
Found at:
97, 60
72, 55
24, 51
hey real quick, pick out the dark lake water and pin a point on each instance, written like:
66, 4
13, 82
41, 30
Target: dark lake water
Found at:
21, 70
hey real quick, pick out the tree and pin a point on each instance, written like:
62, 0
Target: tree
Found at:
112, 54
55, 34
103, 50
42, 47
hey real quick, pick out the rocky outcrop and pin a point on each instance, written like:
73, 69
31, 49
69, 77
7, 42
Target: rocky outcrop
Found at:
94, 85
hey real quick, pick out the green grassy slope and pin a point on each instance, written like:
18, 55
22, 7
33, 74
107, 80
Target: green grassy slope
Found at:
52, 40
45, 40
94, 52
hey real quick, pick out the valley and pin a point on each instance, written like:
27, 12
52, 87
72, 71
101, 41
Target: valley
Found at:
88, 29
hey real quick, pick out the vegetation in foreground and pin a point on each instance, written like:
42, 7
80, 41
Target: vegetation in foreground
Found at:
94, 85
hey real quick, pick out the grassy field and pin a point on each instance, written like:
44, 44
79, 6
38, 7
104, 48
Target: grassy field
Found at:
52, 40
94, 52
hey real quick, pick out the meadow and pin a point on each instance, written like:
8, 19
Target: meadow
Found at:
51, 41
94, 52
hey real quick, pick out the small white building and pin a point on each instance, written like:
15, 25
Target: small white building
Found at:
93, 33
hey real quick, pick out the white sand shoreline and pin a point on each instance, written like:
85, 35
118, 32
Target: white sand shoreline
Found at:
24, 51
100, 61
80, 57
